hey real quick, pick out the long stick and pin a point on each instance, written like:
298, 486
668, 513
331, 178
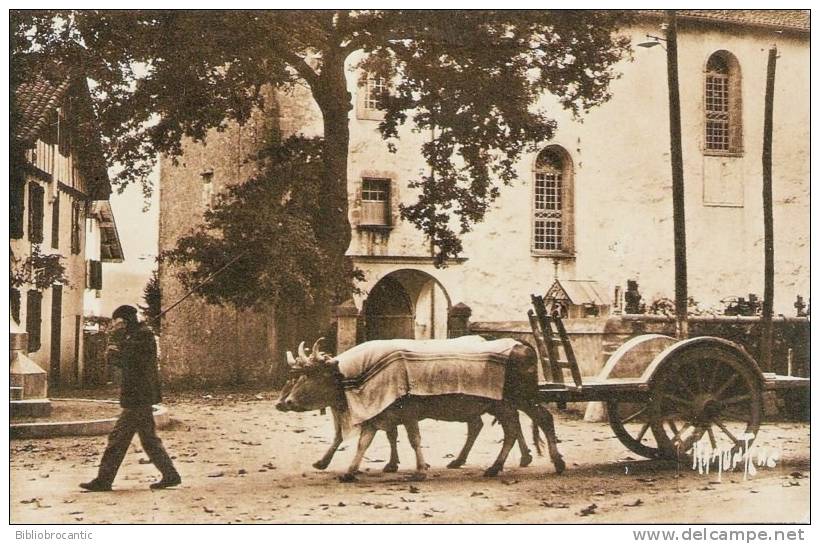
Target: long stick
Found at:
768, 216
197, 286
678, 203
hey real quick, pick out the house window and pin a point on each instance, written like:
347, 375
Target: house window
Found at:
34, 304
722, 105
207, 176
367, 103
375, 87
552, 204
36, 203
76, 227
375, 202
17, 205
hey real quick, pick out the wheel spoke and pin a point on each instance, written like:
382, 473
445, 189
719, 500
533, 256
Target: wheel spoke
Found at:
694, 439
643, 432
685, 386
633, 416
715, 370
736, 399
726, 431
725, 385
698, 374
677, 400
736, 415
676, 437
712, 437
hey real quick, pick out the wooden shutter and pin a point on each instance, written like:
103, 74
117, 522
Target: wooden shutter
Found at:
94, 275
36, 204
55, 222
34, 306
14, 303
17, 205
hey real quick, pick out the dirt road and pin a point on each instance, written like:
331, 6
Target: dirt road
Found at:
244, 462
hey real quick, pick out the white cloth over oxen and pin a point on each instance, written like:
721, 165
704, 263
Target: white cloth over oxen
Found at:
378, 372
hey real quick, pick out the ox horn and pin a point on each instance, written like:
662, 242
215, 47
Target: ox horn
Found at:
290, 359
315, 353
301, 352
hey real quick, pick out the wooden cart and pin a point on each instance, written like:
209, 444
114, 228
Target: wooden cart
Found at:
662, 394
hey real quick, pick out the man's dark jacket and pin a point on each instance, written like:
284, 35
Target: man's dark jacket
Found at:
137, 356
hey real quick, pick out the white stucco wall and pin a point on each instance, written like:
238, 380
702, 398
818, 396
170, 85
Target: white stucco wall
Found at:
622, 176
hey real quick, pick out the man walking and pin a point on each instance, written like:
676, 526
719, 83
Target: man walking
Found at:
133, 349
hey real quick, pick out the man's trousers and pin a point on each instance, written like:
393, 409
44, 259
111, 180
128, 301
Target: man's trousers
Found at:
139, 420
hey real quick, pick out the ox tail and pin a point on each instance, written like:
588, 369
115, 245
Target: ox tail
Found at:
537, 441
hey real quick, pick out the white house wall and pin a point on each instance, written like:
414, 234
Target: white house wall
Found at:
622, 174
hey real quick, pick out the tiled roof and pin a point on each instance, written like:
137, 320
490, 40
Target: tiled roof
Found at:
33, 100
784, 19
37, 96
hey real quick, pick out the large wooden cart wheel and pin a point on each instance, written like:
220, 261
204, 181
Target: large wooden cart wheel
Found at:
705, 392
631, 422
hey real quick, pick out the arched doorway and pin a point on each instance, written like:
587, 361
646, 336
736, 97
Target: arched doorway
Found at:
388, 311
406, 304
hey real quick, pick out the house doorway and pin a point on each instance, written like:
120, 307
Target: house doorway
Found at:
406, 303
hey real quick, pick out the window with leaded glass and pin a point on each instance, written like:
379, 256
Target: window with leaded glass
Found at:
552, 220
722, 105
374, 89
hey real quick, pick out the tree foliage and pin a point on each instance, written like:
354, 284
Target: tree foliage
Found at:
474, 78
152, 299
42, 270
264, 231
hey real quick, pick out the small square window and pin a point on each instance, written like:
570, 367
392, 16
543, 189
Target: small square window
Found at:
376, 202
367, 101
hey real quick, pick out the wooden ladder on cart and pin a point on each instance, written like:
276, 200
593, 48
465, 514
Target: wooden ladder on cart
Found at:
554, 347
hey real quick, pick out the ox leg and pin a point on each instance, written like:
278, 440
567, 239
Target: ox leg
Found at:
541, 415
526, 456
393, 438
507, 416
474, 427
365, 438
322, 463
414, 437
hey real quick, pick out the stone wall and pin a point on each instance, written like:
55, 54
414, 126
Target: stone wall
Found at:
594, 339
202, 343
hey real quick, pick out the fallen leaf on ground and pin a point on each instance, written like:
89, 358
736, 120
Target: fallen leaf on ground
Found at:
589, 510
638, 502
554, 504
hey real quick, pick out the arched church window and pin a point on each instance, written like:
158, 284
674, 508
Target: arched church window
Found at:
552, 221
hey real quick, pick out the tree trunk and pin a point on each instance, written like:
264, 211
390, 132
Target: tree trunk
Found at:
333, 228
768, 219
678, 203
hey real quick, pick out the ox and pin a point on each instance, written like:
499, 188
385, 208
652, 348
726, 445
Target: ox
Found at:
318, 384
474, 426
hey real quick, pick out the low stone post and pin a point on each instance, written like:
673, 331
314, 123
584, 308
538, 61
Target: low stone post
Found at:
28, 383
458, 320
346, 315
